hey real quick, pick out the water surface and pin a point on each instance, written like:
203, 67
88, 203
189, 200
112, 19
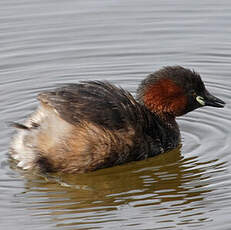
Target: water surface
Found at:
47, 43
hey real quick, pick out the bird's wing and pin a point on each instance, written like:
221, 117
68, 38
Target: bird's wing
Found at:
98, 102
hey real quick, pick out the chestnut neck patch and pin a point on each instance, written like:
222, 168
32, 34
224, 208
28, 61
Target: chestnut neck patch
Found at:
165, 97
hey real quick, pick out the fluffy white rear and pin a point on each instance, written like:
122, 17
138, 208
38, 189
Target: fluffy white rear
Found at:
23, 144
43, 124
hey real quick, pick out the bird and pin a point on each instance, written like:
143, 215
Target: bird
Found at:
90, 125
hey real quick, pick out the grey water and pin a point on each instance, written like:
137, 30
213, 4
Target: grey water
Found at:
46, 43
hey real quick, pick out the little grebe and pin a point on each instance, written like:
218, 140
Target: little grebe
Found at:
92, 125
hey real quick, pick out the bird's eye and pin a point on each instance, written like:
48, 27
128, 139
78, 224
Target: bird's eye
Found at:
194, 94
200, 100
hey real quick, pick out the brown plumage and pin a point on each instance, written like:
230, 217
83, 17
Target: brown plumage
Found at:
92, 125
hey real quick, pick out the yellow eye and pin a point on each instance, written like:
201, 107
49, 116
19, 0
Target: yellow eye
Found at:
200, 100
